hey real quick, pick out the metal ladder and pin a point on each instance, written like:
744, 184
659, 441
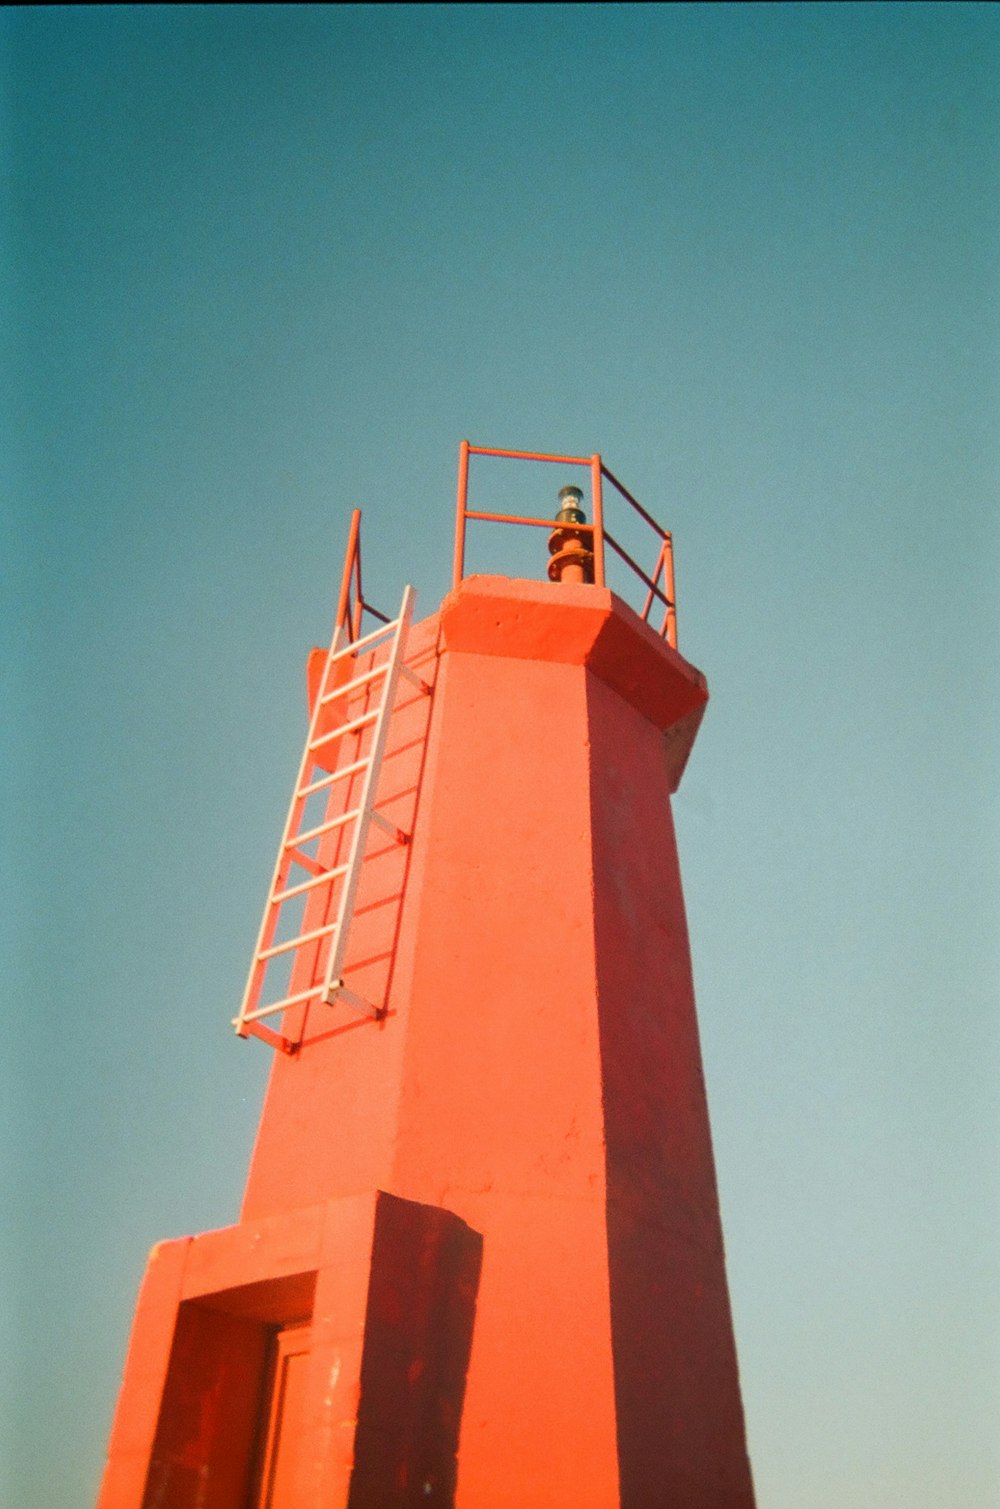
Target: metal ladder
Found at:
337, 683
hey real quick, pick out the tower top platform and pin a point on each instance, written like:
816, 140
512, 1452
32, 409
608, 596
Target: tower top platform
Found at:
581, 624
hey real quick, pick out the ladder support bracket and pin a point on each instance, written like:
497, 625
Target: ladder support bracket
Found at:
274, 1039
415, 680
390, 828
340, 992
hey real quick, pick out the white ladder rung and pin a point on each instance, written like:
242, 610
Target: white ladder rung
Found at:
330, 780
346, 728
290, 943
307, 885
352, 686
367, 639
302, 995
327, 827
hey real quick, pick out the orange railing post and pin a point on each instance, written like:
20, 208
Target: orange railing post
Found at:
345, 616
597, 493
460, 511
351, 607
359, 596
670, 617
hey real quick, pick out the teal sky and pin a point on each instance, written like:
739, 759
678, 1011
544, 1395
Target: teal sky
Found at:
263, 265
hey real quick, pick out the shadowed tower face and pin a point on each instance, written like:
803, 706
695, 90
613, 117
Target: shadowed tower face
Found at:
479, 1261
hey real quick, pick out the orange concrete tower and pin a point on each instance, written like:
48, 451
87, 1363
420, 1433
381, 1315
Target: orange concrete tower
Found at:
479, 1261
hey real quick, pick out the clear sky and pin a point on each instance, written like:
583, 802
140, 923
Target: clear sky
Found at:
263, 265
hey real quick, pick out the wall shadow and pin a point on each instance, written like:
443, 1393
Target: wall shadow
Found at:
680, 1427
418, 1337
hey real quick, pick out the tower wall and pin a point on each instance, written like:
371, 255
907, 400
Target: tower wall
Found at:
535, 1086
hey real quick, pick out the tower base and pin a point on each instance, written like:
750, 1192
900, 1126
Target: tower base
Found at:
316, 1358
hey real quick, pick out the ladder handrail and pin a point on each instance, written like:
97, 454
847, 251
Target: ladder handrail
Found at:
284, 861
361, 813
334, 967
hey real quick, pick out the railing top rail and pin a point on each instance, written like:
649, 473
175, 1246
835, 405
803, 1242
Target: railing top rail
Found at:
485, 450
620, 486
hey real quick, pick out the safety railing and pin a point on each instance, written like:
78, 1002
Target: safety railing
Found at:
598, 532
352, 604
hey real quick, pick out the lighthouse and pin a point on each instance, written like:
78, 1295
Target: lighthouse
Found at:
479, 1260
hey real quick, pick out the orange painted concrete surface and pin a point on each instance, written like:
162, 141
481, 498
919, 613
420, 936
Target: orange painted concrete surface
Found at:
534, 1310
